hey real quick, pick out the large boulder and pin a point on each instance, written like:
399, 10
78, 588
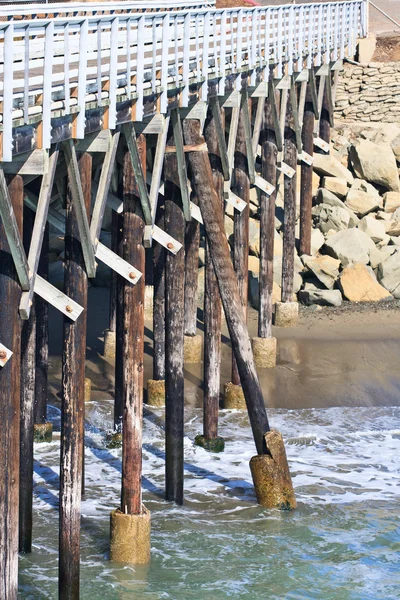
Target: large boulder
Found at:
325, 269
321, 297
326, 164
393, 226
378, 256
389, 273
350, 246
391, 201
327, 197
373, 228
336, 185
317, 241
358, 285
330, 217
376, 163
362, 203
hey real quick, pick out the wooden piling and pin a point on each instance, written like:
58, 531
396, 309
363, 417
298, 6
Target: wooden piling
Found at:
209, 201
10, 331
42, 428
269, 153
306, 177
132, 340
289, 221
119, 335
174, 331
212, 306
193, 342
28, 360
241, 187
72, 403
324, 122
156, 386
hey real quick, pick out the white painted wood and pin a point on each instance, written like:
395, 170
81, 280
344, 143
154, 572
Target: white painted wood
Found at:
8, 40
264, 185
58, 299
5, 356
118, 264
232, 198
13, 235
196, 212
38, 234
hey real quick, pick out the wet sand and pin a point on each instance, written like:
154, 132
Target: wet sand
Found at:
330, 349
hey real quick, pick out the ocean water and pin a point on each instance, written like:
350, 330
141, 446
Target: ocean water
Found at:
341, 543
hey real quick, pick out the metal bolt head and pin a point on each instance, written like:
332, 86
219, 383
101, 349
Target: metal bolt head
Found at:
3, 354
132, 275
69, 308
170, 245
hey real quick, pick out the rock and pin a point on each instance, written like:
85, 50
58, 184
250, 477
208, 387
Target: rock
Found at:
361, 203
391, 201
377, 256
358, 285
254, 264
373, 228
336, 185
350, 246
321, 297
325, 269
254, 290
202, 257
395, 145
376, 163
228, 227
297, 278
317, 241
254, 237
330, 217
315, 183
327, 197
393, 226
326, 164
389, 273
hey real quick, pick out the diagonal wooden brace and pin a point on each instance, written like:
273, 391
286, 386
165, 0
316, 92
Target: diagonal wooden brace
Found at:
58, 299
181, 160
38, 233
216, 113
79, 205
130, 136
247, 132
13, 235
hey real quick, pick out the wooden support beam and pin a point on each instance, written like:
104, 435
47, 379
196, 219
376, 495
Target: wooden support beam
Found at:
258, 124
12, 233
102, 191
28, 372
174, 330
132, 341
245, 112
156, 178
79, 204
220, 130
131, 140
10, 328
289, 222
209, 201
35, 163
275, 114
181, 162
42, 339
36, 241
159, 256
73, 385
99, 141
306, 177
192, 242
241, 187
212, 301
269, 155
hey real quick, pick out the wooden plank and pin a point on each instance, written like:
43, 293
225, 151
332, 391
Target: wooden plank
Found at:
99, 141
29, 163
258, 124
247, 132
102, 190
216, 112
181, 161
13, 235
58, 299
275, 116
79, 204
38, 233
130, 136
118, 264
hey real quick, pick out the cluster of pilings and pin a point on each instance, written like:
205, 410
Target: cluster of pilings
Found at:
203, 163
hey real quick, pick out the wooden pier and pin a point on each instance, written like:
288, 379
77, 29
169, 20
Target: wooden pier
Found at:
166, 112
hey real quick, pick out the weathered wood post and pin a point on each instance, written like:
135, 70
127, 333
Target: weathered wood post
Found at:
174, 329
116, 439
306, 176
109, 334
156, 386
192, 342
73, 389
269, 468
43, 429
212, 309
286, 312
10, 332
130, 524
264, 346
28, 355
233, 392
325, 116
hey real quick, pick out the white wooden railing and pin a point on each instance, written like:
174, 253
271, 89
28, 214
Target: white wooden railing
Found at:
56, 66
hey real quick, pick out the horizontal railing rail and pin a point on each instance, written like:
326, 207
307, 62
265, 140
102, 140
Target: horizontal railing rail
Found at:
55, 67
